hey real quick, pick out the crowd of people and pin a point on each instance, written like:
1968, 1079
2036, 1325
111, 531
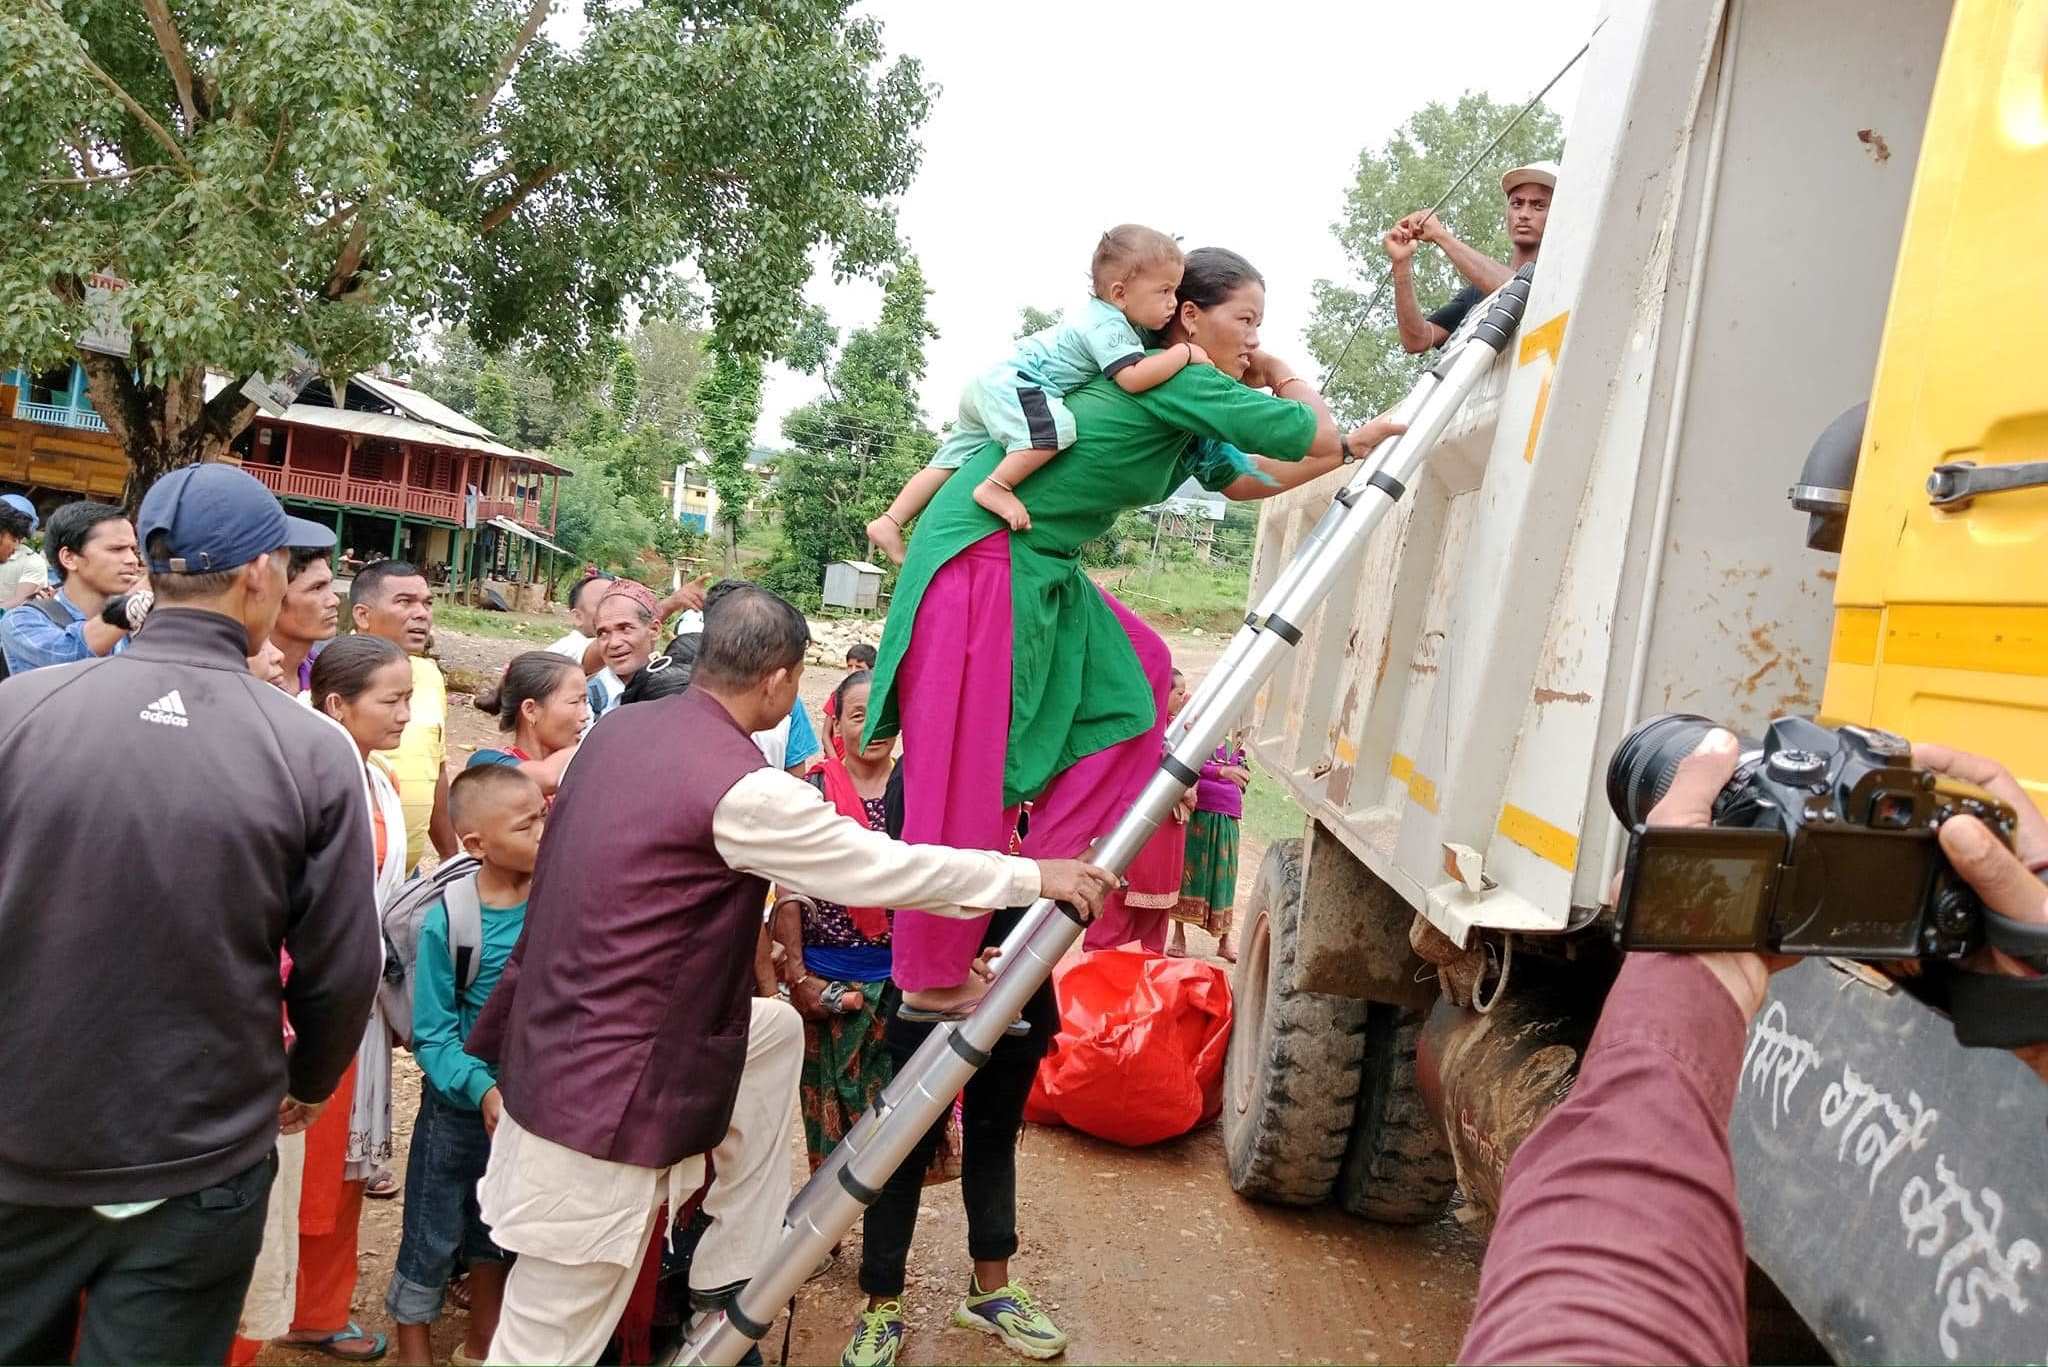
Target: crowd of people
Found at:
612, 1015
660, 919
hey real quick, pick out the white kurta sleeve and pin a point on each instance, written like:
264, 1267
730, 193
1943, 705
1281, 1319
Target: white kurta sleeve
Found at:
777, 826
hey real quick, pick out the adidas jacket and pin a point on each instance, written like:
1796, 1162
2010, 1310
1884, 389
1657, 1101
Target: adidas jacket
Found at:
171, 822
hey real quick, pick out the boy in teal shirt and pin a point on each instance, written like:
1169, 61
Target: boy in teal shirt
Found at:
499, 814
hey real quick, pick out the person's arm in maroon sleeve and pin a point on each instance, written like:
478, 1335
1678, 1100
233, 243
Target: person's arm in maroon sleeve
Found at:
1619, 1239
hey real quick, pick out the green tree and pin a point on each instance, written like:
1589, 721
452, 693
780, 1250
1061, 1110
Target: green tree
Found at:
673, 358
728, 406
493, 403
811, 342
321, 174
597, 521
854, 448
1408, 172
1031, 319
624, 389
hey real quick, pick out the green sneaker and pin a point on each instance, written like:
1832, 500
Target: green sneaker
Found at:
1011, 1315
878, 1339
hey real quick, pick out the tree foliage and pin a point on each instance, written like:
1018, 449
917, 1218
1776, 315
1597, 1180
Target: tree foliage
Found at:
854, 448
728, 406
1408, 172
1032, 319
323, 174
597, 520
672, 360
494, 405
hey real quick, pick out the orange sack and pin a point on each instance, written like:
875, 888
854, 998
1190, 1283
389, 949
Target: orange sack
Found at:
1139, 1056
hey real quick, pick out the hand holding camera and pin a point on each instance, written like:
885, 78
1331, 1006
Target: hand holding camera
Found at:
1838, 842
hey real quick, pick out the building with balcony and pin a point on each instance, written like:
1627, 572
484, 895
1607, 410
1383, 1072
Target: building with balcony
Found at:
52, 445
401, 474
395, 472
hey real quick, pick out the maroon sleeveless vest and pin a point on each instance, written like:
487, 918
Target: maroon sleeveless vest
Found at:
620, 1025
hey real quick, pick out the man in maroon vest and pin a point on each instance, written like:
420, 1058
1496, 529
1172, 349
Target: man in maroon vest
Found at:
628, 1040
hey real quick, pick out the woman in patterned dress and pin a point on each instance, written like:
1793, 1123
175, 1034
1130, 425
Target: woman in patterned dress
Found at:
836, 959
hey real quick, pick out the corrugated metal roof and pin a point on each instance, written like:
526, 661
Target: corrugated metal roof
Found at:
396, 428
507, 524
392, 426
428, 410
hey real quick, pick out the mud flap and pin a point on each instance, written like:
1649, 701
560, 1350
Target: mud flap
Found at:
1894, 1184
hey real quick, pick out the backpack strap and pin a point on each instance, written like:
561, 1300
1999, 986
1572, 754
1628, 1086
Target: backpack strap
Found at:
53, 610
465, 928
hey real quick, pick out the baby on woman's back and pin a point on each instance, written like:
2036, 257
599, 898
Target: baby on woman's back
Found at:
1135, 279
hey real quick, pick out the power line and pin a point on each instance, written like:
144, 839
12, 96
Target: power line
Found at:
1352, 337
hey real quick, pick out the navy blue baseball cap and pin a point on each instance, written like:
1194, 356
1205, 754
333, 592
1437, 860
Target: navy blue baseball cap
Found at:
216, 517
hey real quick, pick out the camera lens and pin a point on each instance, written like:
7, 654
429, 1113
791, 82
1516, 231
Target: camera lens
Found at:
1643, 764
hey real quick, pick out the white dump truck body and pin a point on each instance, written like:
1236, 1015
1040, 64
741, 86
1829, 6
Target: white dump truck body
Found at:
1603, 534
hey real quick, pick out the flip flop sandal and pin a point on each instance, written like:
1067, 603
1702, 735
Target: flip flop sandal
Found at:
382, 1186
378, 1344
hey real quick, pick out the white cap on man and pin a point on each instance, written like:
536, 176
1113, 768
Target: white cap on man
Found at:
1534, 173
1542, 173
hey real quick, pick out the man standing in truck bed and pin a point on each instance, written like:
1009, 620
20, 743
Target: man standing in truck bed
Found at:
1528, 190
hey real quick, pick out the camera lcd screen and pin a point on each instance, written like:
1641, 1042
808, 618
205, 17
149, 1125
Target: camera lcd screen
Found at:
1856, 892
1698, 889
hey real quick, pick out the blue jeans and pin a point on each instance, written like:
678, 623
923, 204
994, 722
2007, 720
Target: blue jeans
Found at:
449, 1151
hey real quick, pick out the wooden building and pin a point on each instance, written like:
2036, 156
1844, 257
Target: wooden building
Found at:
401, 474
52, 445
394, 471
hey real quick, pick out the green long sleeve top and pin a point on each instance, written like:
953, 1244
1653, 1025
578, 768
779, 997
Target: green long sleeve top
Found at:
1129, 451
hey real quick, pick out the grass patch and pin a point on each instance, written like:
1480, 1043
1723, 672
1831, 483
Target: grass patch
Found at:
1181, 595
1270, 812
759, 540
540, 628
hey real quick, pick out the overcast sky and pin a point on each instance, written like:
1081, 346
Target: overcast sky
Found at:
1041, 138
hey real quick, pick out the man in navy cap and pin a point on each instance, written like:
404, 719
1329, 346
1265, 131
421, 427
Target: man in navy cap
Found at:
185, 822
23, 573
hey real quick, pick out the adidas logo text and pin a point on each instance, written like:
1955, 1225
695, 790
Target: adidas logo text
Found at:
169, 710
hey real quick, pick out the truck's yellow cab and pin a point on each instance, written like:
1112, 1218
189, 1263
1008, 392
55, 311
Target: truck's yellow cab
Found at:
1941, 614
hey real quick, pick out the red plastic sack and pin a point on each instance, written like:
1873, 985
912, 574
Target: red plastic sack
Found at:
1139, 1056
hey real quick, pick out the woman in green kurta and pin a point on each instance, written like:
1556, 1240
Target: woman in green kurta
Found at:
1011, 676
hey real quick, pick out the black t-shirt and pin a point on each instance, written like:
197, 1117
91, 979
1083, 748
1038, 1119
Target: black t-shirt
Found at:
1450, 315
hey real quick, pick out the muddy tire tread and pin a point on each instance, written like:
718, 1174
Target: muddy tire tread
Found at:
1399, 1169
1289, 1145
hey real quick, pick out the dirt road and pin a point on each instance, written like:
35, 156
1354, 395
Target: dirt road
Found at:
1141, 1255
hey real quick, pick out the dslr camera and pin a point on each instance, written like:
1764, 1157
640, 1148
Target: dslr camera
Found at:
1822, 843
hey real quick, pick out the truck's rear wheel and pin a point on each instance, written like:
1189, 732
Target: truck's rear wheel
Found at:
1398, 1169
1291, 1082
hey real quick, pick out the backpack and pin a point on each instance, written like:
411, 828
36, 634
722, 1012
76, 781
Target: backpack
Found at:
49, 608
454, 884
